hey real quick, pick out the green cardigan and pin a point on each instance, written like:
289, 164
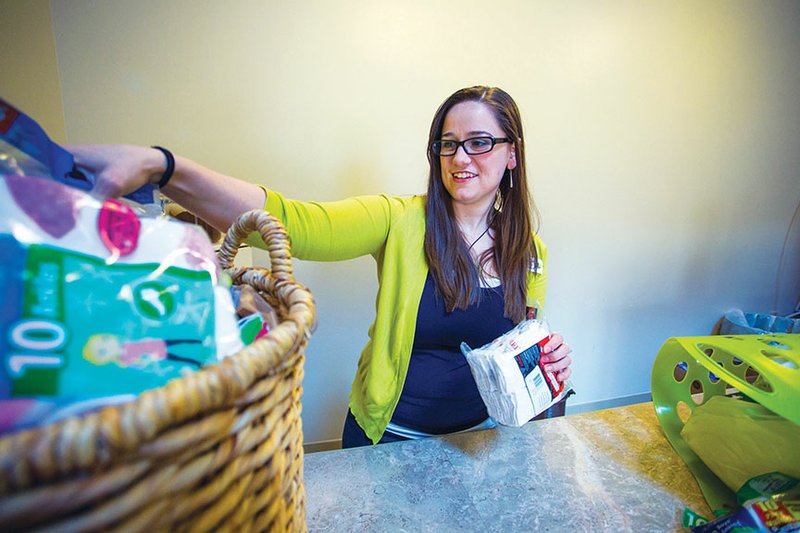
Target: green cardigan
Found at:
392, 230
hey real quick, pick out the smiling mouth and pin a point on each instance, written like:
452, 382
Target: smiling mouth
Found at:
463, 176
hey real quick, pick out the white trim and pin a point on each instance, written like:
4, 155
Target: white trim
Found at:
322, 446
574, 409
409, 433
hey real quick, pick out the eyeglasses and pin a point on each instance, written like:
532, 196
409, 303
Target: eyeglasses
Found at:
472, 146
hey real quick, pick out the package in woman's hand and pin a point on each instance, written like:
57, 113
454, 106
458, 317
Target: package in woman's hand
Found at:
97, 302
511, 379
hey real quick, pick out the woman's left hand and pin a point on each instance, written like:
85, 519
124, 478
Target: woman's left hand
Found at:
555, 356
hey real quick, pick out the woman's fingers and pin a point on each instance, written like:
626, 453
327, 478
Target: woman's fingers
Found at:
555, 341
559, 364
555, 356
564, 375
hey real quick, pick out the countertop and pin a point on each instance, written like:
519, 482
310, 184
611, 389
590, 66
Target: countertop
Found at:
610, 470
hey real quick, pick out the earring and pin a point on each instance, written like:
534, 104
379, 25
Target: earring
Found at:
510, 179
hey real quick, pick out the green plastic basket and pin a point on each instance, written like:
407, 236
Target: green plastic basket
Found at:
690, 370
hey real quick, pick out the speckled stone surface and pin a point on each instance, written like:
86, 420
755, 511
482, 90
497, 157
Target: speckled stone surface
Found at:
609, 470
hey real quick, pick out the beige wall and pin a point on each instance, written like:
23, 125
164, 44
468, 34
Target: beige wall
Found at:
663, 141
28, 70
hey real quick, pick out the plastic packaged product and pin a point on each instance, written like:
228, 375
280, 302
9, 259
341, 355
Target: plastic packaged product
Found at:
510, 376
774, 515
773, 485
252, 328
99, 304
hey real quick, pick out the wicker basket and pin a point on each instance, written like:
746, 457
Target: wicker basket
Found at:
218, 449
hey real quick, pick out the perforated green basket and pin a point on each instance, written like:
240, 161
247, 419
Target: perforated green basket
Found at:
690, 370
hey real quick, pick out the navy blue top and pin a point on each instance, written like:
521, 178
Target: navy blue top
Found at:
440, 395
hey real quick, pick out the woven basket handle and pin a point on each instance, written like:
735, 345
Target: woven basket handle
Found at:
273, 234
280, 281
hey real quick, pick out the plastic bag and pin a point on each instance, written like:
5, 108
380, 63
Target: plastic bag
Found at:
737, 322
739, 440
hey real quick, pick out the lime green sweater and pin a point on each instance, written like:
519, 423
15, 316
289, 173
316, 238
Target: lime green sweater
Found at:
392, 230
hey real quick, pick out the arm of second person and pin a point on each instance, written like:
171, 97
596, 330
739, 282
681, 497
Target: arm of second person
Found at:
215, 197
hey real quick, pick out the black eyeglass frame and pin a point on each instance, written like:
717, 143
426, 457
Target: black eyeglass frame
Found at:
436, 146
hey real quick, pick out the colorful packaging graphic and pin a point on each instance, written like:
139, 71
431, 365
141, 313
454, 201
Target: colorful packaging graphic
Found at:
75, 326
99, 305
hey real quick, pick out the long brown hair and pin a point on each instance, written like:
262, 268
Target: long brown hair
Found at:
456, 275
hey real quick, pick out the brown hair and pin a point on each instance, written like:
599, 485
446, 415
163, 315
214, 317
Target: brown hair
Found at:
457, 277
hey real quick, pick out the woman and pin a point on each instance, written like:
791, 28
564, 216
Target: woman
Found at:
461, 263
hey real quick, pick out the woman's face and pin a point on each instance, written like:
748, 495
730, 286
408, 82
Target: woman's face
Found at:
473, 180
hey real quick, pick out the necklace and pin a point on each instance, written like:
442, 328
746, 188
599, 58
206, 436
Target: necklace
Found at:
479, 238
488, 226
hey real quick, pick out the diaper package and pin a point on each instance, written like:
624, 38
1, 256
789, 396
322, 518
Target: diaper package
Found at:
511, 379
99, 304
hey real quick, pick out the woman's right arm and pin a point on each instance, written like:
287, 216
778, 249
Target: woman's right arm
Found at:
212, 196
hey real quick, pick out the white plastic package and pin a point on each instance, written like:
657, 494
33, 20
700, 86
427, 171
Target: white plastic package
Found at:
511, 380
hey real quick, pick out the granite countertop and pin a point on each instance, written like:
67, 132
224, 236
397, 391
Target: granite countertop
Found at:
610, 470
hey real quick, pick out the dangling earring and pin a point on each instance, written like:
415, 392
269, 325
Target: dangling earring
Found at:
510, 179
498, 201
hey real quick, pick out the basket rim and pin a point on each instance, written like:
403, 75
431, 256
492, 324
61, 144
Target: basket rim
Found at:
786, 380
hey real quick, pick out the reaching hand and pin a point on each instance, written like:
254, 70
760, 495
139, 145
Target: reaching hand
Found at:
119, 169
